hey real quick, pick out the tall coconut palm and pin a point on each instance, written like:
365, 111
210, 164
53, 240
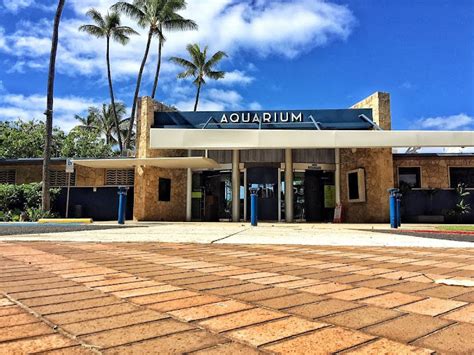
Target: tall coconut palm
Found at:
145, 12
45, 199
104, 117
109, 27
199, 67
170, 20
88, 122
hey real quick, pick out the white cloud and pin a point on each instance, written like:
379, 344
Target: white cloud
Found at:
264, 27
236, 77
406, 85
14, 106
212, 99
17, 5
251, 29
453, 122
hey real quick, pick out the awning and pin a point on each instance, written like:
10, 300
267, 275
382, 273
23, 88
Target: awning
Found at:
162, 138
164, 162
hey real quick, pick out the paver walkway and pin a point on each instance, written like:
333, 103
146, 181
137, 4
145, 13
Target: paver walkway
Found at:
86, 298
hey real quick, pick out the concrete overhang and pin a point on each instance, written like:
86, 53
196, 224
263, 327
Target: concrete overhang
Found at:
162, 162
163, 138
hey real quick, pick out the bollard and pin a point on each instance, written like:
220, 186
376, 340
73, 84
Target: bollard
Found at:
122, 192
253, 210
399, 214
393, 208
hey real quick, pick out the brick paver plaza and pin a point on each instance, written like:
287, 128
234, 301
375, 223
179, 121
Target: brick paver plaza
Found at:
85, 298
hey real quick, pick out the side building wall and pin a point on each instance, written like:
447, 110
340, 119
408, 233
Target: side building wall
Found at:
378, 167
434, 169
147, 206
29, 173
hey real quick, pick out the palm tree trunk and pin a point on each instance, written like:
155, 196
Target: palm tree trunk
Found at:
197, 97
112, 97
137, 89
158, 68
45, 199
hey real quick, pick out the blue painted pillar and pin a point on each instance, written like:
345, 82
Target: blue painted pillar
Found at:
393, 208
399, 215
253, 209
122, 192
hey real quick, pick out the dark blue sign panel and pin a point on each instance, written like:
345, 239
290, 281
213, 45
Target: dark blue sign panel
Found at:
291, 119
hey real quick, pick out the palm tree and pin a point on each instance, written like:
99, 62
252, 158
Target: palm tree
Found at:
109, 27
45, 198
199, 67
88, 122
105, 121
146, 13
171, 21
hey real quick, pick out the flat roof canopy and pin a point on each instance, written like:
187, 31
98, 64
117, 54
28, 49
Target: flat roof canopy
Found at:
175, 138
168, 162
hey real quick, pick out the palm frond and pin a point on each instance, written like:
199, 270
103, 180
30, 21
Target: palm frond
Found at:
179, 24
216, 58
134, 11
96, 17
215, 75
93, 30
195, 53
184, 63
187, 74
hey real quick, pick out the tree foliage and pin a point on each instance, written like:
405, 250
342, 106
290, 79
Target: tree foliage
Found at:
85, 144
25, 139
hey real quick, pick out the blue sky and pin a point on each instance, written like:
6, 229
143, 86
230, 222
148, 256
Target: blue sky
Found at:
282, 55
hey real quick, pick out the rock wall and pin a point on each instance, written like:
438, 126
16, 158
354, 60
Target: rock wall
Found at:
378, 167
434, 168
147, 206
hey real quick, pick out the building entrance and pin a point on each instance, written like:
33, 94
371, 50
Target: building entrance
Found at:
319, 195
314, 195
264, 180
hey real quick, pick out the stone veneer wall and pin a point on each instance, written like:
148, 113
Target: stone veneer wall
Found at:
378, 166
434, 169
147, 207
26, 174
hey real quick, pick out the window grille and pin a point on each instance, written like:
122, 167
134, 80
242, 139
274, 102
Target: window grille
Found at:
120, 177
58, 178
7, 177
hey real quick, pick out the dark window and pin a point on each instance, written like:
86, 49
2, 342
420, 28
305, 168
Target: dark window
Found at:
7, 177
462, 176
164, 189
409, 177
353, 178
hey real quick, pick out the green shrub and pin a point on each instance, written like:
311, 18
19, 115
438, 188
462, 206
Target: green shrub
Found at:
34, 214
15, 199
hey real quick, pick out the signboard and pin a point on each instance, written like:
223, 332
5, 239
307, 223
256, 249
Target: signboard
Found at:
69, 166
268, 119
338, 214
329, 196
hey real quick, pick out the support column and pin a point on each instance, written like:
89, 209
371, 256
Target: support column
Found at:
235, 186
289, 186
189, 194
337, 175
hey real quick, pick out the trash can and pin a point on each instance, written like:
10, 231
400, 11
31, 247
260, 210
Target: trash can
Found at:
77, 211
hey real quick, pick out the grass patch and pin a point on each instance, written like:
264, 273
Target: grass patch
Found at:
468, 228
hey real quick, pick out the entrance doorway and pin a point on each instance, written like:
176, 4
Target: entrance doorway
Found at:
319, 195
264, 181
